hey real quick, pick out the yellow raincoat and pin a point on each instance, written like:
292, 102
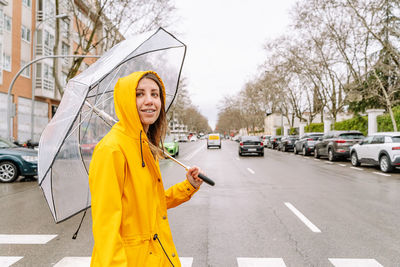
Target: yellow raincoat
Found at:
129, 203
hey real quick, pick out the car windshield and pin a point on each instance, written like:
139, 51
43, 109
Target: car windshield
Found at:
396, 139
6, 144
352, 136
250, 138
169, 139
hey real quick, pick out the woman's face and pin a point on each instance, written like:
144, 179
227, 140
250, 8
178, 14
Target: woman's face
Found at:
148, 102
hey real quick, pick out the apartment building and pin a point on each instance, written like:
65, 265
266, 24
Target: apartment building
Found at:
27, 32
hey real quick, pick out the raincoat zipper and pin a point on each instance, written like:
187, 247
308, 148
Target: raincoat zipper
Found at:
141, 150
156, 238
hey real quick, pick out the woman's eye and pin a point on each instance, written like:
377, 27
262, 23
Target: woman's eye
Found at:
139, 94
155, 94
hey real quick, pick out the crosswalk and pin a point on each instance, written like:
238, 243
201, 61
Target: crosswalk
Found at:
6, 261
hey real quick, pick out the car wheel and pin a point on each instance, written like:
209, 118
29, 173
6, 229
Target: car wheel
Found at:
208, 147
220, 147
177, 153
354, 160
240, 153
295, 150
284, 149
305, 151
331, 156
262, 154
384, 164
8, 172
316, 153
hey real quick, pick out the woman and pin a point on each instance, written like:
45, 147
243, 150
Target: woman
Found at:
129, 203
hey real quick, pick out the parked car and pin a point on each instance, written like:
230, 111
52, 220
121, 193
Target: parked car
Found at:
287, 143
337, 144
193, 138
214, 140
183, 138
381, 149
265, 139
171, 145
16, 161
273, 141
306, 143
251, 144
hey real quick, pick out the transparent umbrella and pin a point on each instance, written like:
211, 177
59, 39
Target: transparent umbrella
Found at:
67, 143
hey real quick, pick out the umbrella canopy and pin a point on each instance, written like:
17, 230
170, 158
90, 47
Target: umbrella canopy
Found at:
67, 142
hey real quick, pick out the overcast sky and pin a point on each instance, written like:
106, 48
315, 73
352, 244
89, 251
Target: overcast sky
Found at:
224, 41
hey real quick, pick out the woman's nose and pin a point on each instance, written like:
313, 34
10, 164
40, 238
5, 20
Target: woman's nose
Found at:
148, 99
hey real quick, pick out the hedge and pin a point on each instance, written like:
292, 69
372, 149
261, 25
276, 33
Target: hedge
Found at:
358, 122
314, 127
385, 122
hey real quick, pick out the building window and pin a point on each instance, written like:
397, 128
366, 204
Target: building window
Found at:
48, 39
27, 72
7, 23
64, 49
25, 34
1, 21
26, 3
65, 29
6, 62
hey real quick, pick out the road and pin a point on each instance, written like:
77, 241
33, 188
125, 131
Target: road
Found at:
278, 210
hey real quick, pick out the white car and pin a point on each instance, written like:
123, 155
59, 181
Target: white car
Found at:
381, 149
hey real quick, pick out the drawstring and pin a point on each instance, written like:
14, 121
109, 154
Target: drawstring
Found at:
156, 237
79, 227
141, 150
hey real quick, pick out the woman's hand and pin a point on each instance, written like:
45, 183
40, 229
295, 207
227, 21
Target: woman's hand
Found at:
193, 176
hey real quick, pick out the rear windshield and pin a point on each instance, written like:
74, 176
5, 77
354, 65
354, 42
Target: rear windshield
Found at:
251, 138
351, 136
396, 139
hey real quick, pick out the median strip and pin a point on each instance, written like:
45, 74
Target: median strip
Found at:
303, 218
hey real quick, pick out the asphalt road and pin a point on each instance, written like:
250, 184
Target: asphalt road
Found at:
344, 215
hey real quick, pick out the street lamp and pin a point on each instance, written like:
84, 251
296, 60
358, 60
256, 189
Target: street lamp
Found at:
59, 16
9, 100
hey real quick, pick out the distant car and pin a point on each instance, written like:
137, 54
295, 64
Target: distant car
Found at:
265, 139
273, 141
306, 143
183, 138
16, 161
337, 144
213, 140
193, 138
381, 149
287, 143
250, 145
171, 145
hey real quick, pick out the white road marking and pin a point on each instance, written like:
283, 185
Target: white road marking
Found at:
85, 262
317, 159
355, 263
191, 155
328, 162
251, 171
383, 174
237, 158
260, 262
8, 261
358, 169
343, 165
303, 218
25, 239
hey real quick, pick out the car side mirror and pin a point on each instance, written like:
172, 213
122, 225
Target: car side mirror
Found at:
362, 142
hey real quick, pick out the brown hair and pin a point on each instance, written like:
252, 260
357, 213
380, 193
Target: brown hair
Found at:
157, 130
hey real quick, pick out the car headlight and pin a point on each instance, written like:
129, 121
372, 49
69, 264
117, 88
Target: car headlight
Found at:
32, 159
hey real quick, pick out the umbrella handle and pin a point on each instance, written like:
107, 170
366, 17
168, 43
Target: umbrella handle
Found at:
206, 179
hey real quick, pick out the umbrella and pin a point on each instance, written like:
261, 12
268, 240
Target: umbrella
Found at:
67, 142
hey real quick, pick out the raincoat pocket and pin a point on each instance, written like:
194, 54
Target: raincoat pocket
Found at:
139, 252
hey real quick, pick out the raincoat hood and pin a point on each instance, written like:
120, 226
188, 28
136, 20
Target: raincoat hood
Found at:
125, 103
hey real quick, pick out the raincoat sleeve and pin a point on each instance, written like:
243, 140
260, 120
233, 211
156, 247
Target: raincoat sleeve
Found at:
106, 181
179, 194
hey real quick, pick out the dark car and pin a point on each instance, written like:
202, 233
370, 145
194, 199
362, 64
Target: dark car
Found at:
273, 141
306, 143
251, 144
337, 144
16, 161
287, 143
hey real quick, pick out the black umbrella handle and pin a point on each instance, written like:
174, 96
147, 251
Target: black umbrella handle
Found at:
206, 179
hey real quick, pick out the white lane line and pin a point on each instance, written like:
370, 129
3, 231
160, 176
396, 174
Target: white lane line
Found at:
303, 218
237, 158
383, 174
85, 262
191, 155
8, 261
317, 159
358, 169
251, 171
25, 239
260, 262
328, 162
355, 263
343, 165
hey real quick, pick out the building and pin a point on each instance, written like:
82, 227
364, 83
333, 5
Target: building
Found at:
27, 31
